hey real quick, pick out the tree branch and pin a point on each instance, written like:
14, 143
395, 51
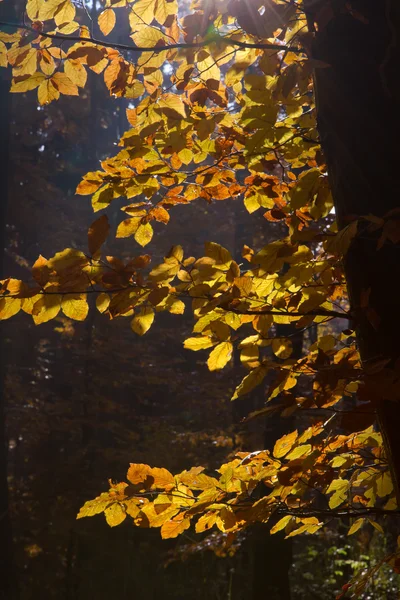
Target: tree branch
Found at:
155, 49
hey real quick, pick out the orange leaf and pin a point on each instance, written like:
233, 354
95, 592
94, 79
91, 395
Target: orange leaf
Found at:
175, 526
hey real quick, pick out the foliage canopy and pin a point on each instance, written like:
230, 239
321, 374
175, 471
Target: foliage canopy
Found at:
221, 108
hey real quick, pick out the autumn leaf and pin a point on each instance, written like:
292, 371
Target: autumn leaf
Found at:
97, 234
252, 380
114, 514
172, 528
284, 444
107, 20
220, 356
142, 322
75, 306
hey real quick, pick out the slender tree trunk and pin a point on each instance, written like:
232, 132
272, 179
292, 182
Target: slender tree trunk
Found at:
8, 585
359, 123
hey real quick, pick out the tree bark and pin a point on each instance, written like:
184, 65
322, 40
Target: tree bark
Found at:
358, 110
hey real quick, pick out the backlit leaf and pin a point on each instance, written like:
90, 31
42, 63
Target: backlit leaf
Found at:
284, 444
107, 20
220, 356
142, 322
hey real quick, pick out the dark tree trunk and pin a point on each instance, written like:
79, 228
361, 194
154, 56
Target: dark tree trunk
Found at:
8, 585
358, 119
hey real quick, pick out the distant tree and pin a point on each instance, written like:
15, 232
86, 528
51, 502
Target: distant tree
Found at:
222, 107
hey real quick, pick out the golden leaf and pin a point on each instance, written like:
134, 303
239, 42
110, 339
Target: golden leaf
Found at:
102, 302
27, 83
65, 13
138, 473
384, 484
172, 106
252, 380
162, 478
47, 92
142, 322
75, 306
107, 20
282, 348
206, 522
198, 343
220, 356
281, 524
77, 74
94, 507
46, 308
143, 234
114, 514
358, 523
9, 307
48, 9
64, 84
172, 528
284, 444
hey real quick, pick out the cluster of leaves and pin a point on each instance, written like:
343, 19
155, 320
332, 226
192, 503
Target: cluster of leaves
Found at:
216, 114
307, 478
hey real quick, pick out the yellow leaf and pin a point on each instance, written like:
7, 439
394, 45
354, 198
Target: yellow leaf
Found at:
77, 74
29, 65
147, 37
64, 84
144, 10
47, 92
342, 240
9, 307
376, 525
32, 9
48, 9
28, 83
206, 522
107, 20
102, 302
355, 526
252, 380
75, 306
46, 308
220, 356
384, 484
218, 253
299, 451
172, 528
94, 507
114, 514
226, 519
97, 234
282, 348
198, 343
65, 13
164, 9
130, 226
340, 488
143, 234
69, 27
142, 322
281, 524
284, 444
172, 106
